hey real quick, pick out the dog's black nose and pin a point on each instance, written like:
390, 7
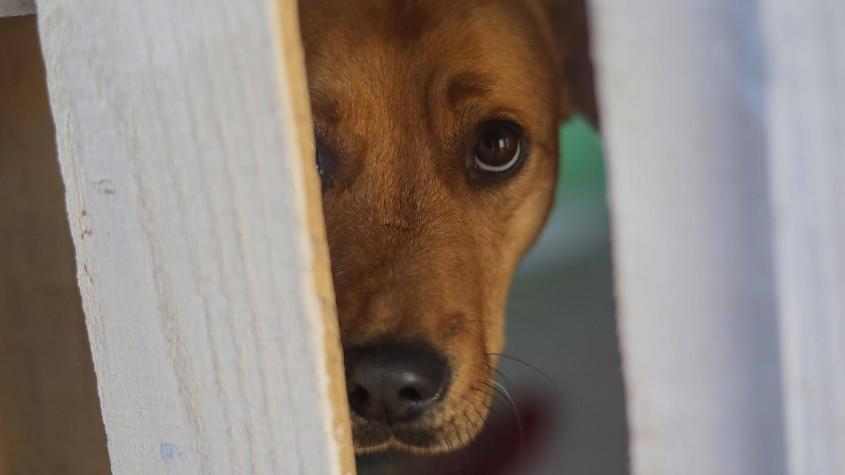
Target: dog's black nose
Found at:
394, 383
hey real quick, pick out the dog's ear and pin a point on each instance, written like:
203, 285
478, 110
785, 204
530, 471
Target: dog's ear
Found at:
569, 35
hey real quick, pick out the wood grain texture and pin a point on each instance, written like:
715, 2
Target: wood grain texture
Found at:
191, 204
683, 112
806, 57
49, 413
16, 7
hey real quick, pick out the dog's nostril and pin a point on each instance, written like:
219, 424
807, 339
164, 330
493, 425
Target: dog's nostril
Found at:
358, 397
394, 383
410, 394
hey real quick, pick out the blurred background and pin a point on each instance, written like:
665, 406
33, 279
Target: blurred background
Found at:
562, 368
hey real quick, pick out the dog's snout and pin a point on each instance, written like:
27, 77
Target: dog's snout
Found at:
391, 384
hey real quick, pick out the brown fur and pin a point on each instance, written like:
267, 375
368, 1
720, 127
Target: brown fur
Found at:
421, 252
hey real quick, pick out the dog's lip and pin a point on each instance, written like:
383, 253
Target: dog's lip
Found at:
395, 443
410, 437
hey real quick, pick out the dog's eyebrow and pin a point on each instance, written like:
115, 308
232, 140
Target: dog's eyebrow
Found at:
463, 86
324, 107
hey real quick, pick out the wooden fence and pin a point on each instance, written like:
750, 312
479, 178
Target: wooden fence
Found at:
184, 140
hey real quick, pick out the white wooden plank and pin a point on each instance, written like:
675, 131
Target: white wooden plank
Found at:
806, 57
16, 7
683, 115
184, 138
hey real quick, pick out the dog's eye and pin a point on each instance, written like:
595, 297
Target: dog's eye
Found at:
498, 148
326, 161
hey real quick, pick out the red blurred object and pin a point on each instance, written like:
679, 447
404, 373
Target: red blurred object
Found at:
499, 450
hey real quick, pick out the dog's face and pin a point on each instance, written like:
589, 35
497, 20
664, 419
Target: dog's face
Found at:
436, 127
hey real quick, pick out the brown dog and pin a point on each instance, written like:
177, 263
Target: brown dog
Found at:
437, 143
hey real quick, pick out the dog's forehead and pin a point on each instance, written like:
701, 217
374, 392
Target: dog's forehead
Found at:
394, 19
397, 48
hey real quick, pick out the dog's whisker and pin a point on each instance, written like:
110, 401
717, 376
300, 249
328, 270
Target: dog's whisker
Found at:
480, 417
489, 405
506, 382
490, 396
495, 387
516, 414
459, 439
485, 393
449, 440
530, 366
471, 424
504, 377
478, 425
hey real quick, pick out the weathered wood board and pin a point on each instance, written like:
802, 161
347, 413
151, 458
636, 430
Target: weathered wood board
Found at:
184, 139
683, 104
806, 103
